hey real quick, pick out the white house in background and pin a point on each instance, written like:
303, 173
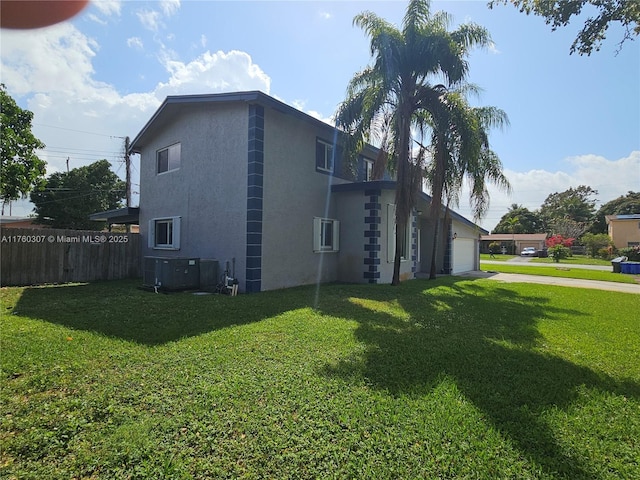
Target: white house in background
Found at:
244, 177
513, 243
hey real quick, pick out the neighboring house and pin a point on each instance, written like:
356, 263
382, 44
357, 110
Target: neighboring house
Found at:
513, 243
624, 230
246, 179
19, 222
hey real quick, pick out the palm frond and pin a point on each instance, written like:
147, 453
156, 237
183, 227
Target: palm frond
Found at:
469, 35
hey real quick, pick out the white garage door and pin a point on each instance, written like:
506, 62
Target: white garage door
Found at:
464, 252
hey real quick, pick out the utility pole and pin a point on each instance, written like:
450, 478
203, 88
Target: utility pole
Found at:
67, 164
127, 162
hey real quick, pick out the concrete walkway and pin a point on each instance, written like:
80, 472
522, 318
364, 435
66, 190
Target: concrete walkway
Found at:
523, 261
564, 282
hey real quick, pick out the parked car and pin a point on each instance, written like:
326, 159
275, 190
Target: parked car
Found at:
529, 252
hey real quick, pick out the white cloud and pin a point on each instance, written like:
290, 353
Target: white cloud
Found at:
214, 72
56, 58
96, 19
611, 178
150, 19
301, 105
317, 115
135, 42
169, 7
108, 7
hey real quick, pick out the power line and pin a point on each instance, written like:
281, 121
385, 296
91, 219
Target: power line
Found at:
83, 151
81, 157
79, 131
64, 199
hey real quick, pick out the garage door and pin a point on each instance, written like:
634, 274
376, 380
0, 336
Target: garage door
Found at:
464, 254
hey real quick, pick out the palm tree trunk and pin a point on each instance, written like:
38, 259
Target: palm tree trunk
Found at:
398, 255
436, 204
403, 186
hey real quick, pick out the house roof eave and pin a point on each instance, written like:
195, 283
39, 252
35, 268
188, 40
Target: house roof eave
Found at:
532, 237
254, 96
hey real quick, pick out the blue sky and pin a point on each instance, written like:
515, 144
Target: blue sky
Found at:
574, 119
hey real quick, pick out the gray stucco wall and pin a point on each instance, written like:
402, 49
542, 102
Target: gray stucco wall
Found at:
294, 193
209, 189
351, 213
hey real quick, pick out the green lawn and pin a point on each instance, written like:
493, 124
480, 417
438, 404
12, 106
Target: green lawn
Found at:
561, 270
451, 378
497, 257
573, 260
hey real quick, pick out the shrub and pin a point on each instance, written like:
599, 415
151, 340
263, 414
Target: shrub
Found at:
559, 247
605, 253
494, 247
559, 240
558, 252
595, 243
632, 253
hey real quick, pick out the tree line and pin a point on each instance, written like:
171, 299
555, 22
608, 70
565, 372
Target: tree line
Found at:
571, 214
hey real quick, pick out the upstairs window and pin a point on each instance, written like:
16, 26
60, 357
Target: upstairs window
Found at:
325, 154
168, 159
368, 169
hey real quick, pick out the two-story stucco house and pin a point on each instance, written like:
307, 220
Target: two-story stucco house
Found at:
245, 177
624, 230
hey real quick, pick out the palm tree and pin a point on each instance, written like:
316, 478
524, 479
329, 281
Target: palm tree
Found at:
460, 150
400, 86
514, 224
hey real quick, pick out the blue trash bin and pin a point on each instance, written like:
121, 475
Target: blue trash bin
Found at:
632, 268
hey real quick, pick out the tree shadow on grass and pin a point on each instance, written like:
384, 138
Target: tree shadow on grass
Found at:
120, 309
486, 339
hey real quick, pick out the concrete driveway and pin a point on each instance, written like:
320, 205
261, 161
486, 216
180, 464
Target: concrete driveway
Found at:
564, 282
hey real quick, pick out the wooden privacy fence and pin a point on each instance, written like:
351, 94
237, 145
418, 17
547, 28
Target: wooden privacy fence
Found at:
36, 256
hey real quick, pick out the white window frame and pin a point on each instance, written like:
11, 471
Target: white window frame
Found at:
174, 226
320, 233
329, 157
391, 235
174, 153
368, 169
